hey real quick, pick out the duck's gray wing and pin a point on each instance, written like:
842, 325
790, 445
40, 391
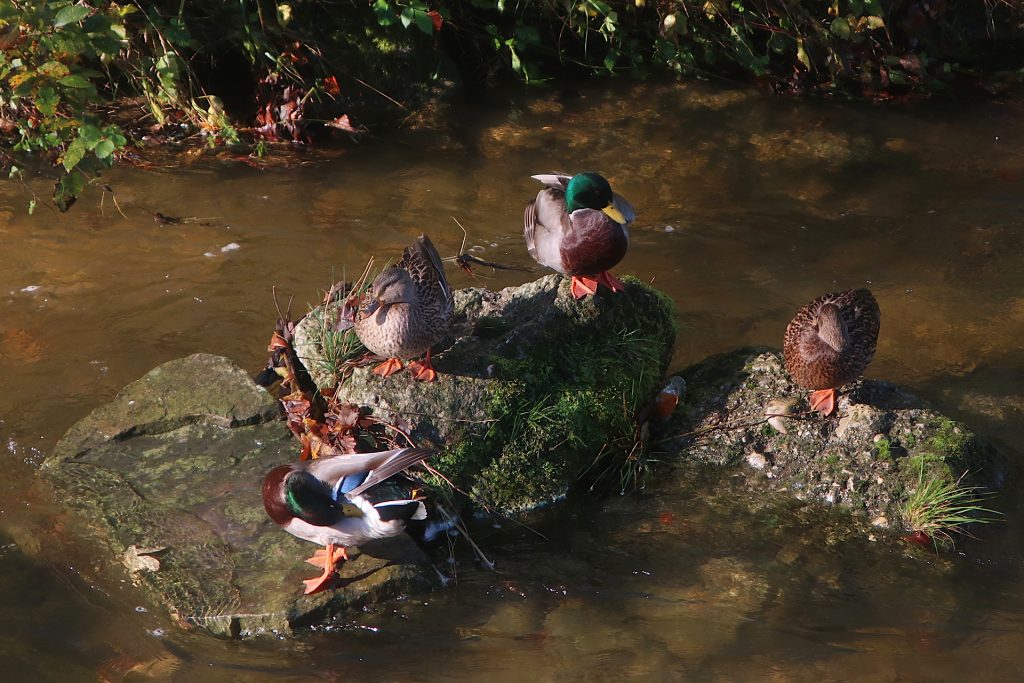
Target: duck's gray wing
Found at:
380, 466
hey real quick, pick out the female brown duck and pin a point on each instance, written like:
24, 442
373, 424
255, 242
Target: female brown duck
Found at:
578, 226
407, 310
830, 343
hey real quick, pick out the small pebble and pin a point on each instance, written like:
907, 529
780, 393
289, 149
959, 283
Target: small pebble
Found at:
757, 460
776, 408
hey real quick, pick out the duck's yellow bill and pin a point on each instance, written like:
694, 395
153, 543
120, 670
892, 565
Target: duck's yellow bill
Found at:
350, 510
614, 214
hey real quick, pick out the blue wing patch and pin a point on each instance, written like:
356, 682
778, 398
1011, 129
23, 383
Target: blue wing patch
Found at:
346, 484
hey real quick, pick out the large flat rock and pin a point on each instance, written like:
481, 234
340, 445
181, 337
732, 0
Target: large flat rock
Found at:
174, 466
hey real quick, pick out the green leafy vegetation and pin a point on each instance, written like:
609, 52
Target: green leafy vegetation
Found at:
255, 70
51, 61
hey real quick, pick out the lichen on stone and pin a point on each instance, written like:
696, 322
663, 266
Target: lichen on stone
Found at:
866, 459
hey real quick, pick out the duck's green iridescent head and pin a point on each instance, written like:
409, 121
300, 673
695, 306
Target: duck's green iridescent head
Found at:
592, 191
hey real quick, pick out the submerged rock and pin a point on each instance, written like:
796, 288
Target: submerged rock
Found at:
169, 475
744, 410
532, 385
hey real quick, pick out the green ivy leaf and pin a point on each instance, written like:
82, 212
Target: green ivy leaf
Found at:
384, 13
424, 22
801, 53
90, 135
74, 153
104, 149
411, 15
70, 15
841, 28
407, 16
517, 64
74, 81
54, 70
67, 190
47, 100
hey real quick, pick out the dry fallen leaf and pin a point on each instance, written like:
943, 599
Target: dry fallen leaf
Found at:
141, 559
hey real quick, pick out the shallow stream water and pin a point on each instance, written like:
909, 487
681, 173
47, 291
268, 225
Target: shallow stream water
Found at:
748, 206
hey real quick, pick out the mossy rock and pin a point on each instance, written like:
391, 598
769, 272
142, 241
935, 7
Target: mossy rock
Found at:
172, 470
867, 458
532, 385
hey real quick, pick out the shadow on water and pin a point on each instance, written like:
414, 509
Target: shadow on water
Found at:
748, 208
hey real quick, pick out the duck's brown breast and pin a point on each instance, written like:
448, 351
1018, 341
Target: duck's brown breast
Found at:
595, 243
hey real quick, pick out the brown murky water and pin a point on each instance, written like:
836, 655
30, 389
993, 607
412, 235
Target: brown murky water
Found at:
749, 206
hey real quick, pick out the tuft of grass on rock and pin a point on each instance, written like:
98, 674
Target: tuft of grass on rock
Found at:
939, 508
339, 349
883, 449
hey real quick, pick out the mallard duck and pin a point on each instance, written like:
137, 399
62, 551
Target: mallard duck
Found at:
578, 226
830, 343
321, 501
407, 310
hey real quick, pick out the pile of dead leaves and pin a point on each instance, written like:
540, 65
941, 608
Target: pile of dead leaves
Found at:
322, 423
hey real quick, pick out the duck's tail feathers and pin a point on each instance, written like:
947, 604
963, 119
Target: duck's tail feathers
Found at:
559, 181
404, 510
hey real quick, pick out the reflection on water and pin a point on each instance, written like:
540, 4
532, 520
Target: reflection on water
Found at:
748, 207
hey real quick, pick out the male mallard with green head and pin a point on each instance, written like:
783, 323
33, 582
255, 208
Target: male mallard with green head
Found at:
578, 226
830, 343
322, 501
406, 311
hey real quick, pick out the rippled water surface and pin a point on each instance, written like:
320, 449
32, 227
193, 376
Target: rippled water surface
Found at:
748, 207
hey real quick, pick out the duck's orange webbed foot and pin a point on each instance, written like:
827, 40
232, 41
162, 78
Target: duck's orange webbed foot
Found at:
823, 401
423, 371
326, 558
388, 367
610, 281
582, 286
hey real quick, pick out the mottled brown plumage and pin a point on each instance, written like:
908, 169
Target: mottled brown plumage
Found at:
408, 309
832, 340
579, 227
